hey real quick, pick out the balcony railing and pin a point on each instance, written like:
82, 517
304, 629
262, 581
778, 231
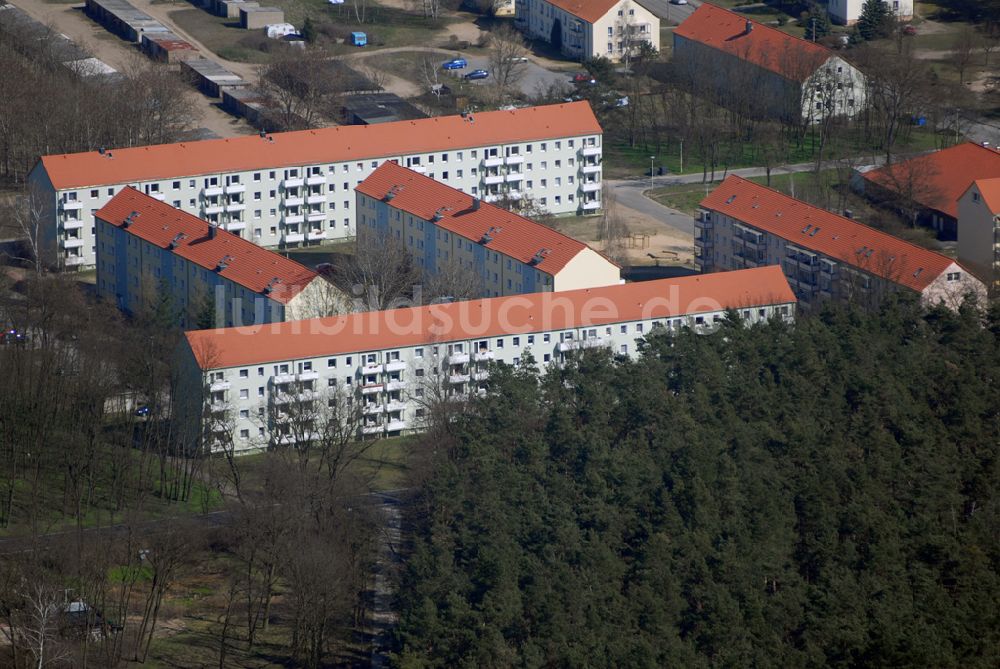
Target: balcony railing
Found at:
217, 386
493, 179
296, 201
395, 366
483, 356
591, 151
494, 161
292, 237
315, 180
395, 385
212, 191
591, 205
458, 358
396, 425
282, 378
590, 187
372, 368
236, 188
70, 205
591, 169
372, 388
514, 160
72, 225
458, 378
293, 182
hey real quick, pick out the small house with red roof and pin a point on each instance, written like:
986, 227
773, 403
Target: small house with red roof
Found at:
442, 226
586, 29
824, 256
770, 73
146, 248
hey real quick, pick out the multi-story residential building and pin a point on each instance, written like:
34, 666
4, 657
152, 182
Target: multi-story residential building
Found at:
764, 71
824, 256
613, 29
252, 388
847, 12
928, 186
979, 229
443, 227
294, 188
146, 248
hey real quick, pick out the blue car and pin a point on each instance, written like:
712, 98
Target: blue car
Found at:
143, 411
455, 64
477, 74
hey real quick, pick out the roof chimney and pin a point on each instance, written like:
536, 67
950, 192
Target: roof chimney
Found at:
475, 204
101, 150
211, 230
749, 26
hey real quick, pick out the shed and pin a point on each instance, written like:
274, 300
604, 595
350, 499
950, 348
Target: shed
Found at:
375, 108
210, 77
167, 47
253, 18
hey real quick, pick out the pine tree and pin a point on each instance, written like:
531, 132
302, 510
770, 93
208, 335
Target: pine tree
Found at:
816, 21
875, 20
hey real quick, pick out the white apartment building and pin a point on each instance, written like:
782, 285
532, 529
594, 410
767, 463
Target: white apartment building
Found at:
847, 12
824, 256
254, 388
443, 227
979, 229
146, 247
296, 188
586, 29
764, 70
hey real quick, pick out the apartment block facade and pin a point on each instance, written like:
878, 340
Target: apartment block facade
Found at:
824, 256
146, 247
296, 188
273, 385
979, 229
764, 70
847, 12
612, 29
441, 227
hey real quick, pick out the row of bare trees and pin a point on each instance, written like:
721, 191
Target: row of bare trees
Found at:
51, 107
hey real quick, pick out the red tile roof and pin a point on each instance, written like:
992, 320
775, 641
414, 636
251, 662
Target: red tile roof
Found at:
248, 265
989, 190
491, 317
834, 236
936, 180
774, 50
590, 11
324, 145
513, 235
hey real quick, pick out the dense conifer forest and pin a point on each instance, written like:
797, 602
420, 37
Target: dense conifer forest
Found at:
824, 494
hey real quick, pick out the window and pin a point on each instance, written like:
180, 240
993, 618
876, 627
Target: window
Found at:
418, 353
331, 362
244, 394
638, 327
531, 339
244, 413
244, 434
546, 338
244, 373
954, 276
611, 31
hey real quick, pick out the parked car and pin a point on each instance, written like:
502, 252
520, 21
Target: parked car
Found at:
583, 78
143, 411
518, 59
477, 74
909, 31
678, 2
12, 336
456, 64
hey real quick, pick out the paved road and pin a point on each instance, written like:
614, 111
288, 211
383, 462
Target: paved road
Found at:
382, 616
671, 13
632, 192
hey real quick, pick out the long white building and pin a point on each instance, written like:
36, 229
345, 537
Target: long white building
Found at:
296, 188
847, 12
146, 248
586, 29
254, 388
443, 227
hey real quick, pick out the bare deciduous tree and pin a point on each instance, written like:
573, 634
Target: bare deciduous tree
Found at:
380, 273
507, 54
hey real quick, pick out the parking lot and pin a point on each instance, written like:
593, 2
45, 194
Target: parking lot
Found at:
534, 77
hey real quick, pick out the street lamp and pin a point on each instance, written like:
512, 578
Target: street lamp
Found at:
651, 159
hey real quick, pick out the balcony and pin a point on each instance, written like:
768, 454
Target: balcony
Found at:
480, 375
372, 388
70, 205
592, 205
591, 169
514, 194
419, 169
234, 226
295, 201
315, 180
591, 151
315, 199
395, 406
483, 356
72, 225
235, 206
458, 378
372, 408
293, 219
493, 179
372, 368
314, 216
288, 398
72, 243
371, 429
590, 187
235, 188
292, 238
395, 366
395, 385
73, 261
217, 386
212, 191
283, 378
513, 177
514, 160
308, 376
492, 197
458, 358
157, 196
218, 407
316, 235
293, 182
396, 425
212, 208
493, 161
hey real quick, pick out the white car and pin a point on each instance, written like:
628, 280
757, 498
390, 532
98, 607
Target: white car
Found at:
678, 2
